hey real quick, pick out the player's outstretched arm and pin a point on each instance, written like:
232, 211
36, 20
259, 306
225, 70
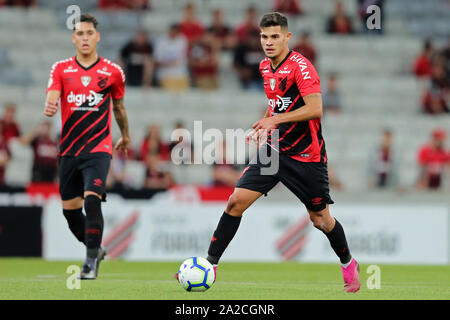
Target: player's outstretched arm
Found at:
51, 103
311, 110
122, 120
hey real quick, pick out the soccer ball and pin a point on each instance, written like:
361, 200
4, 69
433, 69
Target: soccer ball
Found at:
196, 274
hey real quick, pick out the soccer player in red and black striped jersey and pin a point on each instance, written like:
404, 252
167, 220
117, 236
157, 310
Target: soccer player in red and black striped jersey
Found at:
86, 85
292, 86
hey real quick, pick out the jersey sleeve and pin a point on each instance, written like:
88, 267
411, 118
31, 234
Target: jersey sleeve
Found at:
307, 79
55, 81
118, 85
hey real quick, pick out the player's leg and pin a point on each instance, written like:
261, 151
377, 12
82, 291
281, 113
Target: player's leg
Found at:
309, 182
94, 223
73, 212
94, 171
229, 222
251, 185
334, 231
71, 191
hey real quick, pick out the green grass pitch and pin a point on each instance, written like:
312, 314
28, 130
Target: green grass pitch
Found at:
40, 279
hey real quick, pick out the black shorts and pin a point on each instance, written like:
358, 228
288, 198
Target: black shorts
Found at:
307, 180
83, 173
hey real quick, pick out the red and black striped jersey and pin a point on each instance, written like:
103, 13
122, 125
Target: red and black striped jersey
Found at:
86, 96
285, 86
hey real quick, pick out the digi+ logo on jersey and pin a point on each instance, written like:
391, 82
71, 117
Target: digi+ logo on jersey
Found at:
280, 104
93, 98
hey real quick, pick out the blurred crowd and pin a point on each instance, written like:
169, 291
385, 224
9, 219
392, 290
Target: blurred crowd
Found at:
432, 68
188, 55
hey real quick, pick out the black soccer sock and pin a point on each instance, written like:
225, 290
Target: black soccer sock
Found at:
339, 243
76, 220
94, 225
226, 229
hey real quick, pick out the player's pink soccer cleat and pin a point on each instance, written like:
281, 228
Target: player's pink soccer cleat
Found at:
215, 273
351, 276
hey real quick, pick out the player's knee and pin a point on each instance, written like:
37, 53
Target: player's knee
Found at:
318, 221
236, 205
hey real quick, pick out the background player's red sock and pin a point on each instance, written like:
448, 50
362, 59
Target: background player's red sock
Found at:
226, 229
76, 220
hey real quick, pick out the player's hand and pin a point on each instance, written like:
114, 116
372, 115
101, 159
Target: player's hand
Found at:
51, 108
123, 145
267, 124
256, 136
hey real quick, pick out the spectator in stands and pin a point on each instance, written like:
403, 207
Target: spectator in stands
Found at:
155, 178
137, 60
124, 4
291, 7
153, 144
9, 124
332, 96
434, 102
221, 32
45, 152
247, 57
249, 25
305, 46
224, 171
5, 156
422, 64
190, 27
204, 62
432, 159
339, 22
171, 60
435, 98
382, 164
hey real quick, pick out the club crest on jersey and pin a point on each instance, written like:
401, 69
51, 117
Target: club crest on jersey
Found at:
102, 82
273, 81
85, 80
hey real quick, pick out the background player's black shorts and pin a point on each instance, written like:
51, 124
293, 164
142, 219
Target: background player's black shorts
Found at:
83, 173
307, 180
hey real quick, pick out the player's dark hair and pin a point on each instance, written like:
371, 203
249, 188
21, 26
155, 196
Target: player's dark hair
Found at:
273, 19
86, 17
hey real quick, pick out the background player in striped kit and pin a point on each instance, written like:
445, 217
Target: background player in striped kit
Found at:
86, 85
